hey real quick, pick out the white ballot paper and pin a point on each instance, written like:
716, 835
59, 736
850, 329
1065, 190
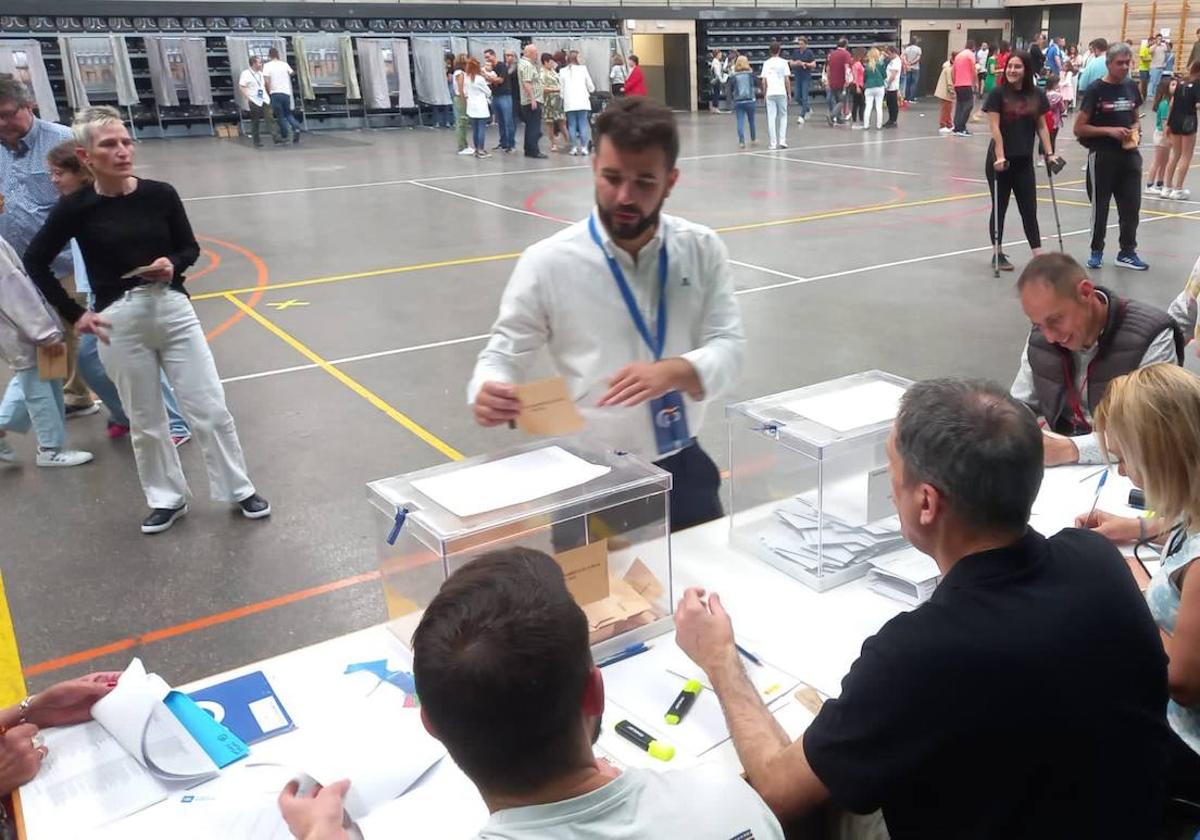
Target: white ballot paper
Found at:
851, 408
907, 576
509, 481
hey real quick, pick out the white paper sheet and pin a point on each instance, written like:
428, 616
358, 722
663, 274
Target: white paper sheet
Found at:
852, 408
509, 481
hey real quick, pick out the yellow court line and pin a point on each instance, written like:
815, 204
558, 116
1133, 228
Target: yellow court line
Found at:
364, 392
850, 211
1163, 213
12, 680
379, 272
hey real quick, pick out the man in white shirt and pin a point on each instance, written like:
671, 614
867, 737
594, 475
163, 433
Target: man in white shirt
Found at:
278, 75
254, 92
507, 683
777, 90
891, 86
636, 309
1083, 337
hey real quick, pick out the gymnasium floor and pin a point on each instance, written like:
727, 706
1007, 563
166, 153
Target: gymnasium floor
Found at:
347, 284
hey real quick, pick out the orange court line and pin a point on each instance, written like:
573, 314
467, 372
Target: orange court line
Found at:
214, 262
197, 624
263, 277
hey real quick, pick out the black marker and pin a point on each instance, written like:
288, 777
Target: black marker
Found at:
661, 751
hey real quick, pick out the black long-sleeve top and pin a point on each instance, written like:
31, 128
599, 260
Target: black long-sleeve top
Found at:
115, 234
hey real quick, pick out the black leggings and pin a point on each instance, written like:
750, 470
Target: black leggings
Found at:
892, 98
1019, 180
859, 107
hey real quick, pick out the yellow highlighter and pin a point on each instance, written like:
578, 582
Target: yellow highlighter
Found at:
661, 751
691, 690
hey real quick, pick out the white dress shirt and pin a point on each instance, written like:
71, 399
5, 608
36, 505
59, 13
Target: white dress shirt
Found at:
563, 297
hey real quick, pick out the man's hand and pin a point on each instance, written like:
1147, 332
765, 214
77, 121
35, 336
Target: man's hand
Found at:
496, 403
1059, 450
318, 814
1119, 529
162, 270
704, 631
20, 757
90, 322
71, 701
641, 381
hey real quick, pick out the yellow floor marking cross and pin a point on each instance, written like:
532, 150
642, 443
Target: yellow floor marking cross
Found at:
288, 304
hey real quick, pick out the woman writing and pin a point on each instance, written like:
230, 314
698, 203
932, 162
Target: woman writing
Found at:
1016, 113
137, 243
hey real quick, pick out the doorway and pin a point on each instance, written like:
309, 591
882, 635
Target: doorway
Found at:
992, 37
935, 49
666, 63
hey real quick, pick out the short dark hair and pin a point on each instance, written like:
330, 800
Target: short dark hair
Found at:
1100, 44
970, 45
489, 51
15, 91
272, 53
977, 445
63, 157
547, 57
842, 42
501, 661
635, 122
634, 59
773, 49
1059, 271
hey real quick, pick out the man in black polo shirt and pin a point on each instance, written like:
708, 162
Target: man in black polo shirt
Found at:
1108, 125
1026, 699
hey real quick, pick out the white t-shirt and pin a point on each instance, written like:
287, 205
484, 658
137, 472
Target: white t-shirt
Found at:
479, 93
775, 70
253, 85
279, 75
706, 801
577, 87
894, 68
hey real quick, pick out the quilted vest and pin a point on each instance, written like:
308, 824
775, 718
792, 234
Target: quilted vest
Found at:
1129, 330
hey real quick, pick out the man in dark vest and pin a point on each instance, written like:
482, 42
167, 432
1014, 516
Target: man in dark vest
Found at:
1083, 336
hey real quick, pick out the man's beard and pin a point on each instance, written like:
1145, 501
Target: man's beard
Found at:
629, 231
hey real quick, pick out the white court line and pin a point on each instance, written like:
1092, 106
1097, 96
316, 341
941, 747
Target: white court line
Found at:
361, 358
478, 200
766, 270
770, 156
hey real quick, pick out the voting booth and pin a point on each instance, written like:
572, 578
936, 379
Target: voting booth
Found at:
602, 514
809, 486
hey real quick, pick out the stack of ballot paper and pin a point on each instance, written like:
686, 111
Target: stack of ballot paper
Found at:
906, 576
832, 543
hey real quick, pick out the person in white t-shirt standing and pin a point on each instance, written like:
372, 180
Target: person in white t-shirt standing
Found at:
777, 89
278, 75
891, 87
254, 91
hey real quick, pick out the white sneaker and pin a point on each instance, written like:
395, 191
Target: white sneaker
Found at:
944, 130
62, 457
858, 127
574, 151
7, 455
1153, 190
583, 152
799, 120
772, 147
783, 145
467, 151
1179, 195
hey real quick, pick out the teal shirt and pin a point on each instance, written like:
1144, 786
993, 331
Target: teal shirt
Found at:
875, 77
1160, 116
1163, 597
1096, 68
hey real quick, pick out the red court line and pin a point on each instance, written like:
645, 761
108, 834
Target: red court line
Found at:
263, 277
214, 262
196, 624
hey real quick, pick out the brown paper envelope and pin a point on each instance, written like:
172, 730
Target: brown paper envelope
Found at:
547, 408
51, 367
623, 603
810, 698
586, 571
643, 581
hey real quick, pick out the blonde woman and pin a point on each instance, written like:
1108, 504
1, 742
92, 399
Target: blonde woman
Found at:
874, 82
1149, 421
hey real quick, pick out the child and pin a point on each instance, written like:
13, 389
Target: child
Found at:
1058, 108
1162, 143
26, 323
945, 93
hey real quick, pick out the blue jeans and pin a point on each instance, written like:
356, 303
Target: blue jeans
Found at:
1156, 74
281, 104
914, 78
579, 132
744, 112
504, 116
443, 116
479, 130
800, 88
835, 97
30, 402
97, 379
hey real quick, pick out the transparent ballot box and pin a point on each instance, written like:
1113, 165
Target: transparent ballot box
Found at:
601, 514
809, 487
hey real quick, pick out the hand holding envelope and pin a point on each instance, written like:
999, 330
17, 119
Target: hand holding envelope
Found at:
162, 270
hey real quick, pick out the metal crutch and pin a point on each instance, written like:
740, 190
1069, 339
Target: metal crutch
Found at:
995, 222
1054, 204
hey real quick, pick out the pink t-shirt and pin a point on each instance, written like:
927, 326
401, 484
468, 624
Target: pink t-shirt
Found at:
964, 69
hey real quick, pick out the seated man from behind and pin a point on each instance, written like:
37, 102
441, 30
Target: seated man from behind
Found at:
1083, 337
507, 683
1026, 699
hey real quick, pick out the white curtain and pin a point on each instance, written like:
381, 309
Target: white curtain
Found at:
161, 79
77, 96
404, 76
429, 60
597, 54
302, 72
374, 73
458, 45
349, 70
476, 46
126, 88
33, 72
195, 62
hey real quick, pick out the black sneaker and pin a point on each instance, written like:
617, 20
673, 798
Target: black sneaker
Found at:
255, 507
1005, 265
160, 519
295, 136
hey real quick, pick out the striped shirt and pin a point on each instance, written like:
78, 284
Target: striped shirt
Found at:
28, 193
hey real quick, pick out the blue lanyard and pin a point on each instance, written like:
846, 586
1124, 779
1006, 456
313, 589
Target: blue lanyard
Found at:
656, 347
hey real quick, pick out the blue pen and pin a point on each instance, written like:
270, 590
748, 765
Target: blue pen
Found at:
632, 650
748, 654
1096, 501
